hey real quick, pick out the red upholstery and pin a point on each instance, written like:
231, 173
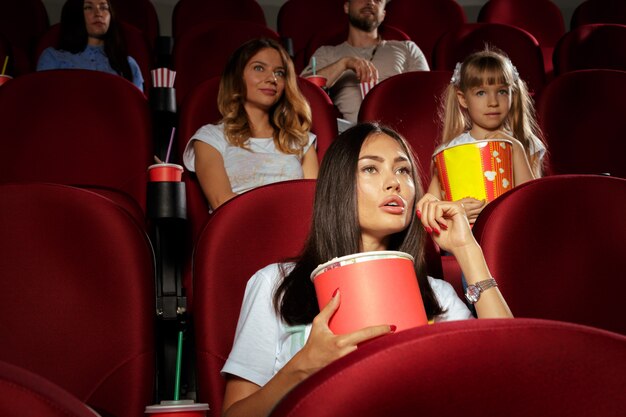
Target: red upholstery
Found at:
599, 11
425, 21
592, 46
340, 33
202, 51
136, 43
189, 13
141, 14
257, 228
541, 18
77, 127
514, 368
78, 305
581, 139
22, 23
556, 246
24, 394
409, 103
300, 20
518, 44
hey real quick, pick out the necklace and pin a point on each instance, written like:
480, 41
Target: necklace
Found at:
378, 40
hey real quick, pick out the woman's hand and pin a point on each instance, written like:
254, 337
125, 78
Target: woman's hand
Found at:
324, 347
447, 222
472, 207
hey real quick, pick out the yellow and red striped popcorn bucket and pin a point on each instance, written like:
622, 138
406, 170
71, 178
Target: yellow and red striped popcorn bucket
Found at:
482, 170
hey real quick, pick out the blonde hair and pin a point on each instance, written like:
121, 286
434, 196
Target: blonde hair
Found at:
290, 116
488, 67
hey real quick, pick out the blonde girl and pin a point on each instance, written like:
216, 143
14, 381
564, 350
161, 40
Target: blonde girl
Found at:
263, 136
487, 99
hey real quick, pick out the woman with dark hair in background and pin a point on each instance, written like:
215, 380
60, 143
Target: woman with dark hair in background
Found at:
91, 38
368, 198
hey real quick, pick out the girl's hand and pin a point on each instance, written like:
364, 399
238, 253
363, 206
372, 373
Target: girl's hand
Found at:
324, 347
447, 222
472, 207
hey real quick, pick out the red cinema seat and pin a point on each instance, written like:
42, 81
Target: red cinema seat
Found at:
513, 368
78, 307
78, 127
141, 14
556, 246
599, 11
265, 225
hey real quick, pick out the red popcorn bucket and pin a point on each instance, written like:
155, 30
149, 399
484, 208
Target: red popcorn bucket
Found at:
376, 288
482, 170
165, 172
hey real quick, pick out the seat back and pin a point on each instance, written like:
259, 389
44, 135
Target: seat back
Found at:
523, 366
202, 52
425, 21
84, 128
78, 305
189, 13
265, 225
580, 138
559, 264
136, 44
141, 14
521, 47
540, 18
599, 11
299, 21
409, 103
592, 46
22, 23
25, 394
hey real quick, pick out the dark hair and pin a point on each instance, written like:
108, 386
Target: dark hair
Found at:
335, 229
73, 37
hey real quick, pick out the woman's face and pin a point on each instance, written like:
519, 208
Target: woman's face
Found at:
385, 190
97, 19
264, 77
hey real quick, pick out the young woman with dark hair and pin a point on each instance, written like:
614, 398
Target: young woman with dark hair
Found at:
368, 198
91, 38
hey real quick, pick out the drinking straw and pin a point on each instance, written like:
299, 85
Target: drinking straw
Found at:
313, 65
179, 359
4, 67
169, 147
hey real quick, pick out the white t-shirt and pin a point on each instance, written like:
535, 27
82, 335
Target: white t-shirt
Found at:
249, 168
264, 343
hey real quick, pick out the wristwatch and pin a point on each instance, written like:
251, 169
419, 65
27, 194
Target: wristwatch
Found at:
472, 292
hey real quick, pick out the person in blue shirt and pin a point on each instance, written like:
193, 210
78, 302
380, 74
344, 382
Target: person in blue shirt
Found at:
90, 38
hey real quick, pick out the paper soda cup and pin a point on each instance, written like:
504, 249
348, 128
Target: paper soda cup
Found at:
378, 287
318, 80
181, 408
5, 78
482, 170
165, 172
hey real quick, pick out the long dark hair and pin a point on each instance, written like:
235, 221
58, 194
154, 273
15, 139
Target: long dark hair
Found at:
73, 37
335, 229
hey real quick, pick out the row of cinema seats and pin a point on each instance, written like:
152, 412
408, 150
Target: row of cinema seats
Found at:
79, 305
206, 32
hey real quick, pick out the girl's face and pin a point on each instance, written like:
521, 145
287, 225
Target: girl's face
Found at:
97, 19
264, 77
488, 107
385, 190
